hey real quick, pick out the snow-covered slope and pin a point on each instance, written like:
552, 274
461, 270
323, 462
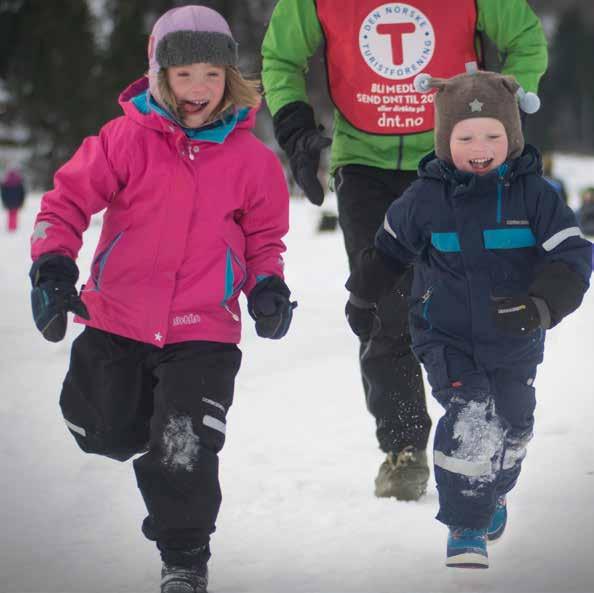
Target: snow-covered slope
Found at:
297, 471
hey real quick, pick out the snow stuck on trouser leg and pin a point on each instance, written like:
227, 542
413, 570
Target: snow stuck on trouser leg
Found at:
180, 444
178, 478
467, 455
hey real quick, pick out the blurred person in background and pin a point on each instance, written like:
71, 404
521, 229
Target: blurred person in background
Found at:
547, 171
12, 190
585, 213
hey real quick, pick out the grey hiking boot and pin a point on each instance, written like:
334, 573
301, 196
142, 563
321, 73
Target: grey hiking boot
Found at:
181, 579
403, 476
185, 570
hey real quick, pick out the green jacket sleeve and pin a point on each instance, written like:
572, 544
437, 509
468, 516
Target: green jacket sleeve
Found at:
293, 36
516, 31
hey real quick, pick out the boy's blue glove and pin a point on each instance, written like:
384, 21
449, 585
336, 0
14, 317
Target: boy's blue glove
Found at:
53, 277
362, 318
270, 307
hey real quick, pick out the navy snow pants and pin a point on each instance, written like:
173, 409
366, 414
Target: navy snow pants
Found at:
481, 439
121, 397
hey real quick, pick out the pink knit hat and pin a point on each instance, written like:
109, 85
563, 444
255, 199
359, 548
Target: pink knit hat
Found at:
186, 35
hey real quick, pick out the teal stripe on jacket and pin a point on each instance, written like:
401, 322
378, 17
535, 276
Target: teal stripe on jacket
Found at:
447, 242
509, 238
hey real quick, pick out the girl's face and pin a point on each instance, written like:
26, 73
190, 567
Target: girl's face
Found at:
478, 145
198, 90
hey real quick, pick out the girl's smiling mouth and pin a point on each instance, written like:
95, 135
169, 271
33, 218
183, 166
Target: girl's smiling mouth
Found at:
193, 107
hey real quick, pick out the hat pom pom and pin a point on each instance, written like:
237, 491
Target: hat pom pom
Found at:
422, 83
529, 102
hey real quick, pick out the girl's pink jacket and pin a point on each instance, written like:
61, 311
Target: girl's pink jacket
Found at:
188, 225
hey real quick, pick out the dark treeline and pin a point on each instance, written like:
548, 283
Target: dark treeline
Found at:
566, 120
62, 68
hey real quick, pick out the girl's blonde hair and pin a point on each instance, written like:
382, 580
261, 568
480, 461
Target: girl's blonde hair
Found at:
239, 92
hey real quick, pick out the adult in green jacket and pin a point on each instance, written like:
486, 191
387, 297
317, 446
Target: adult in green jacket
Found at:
382, 128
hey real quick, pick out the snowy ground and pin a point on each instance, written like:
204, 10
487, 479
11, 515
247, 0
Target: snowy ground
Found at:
298, 514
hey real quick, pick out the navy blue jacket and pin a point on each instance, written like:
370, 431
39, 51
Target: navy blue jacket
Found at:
12, 196
473, 238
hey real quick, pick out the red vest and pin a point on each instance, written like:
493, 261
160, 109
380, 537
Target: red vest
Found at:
375, 49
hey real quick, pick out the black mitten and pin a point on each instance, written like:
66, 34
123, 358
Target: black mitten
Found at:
362, 318
53, 277
296, 132
561, 288
518, 315
269, 305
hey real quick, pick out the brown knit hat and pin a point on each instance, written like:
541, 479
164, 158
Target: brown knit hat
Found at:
477, 94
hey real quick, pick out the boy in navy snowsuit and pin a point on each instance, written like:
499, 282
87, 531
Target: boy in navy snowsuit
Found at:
498, 259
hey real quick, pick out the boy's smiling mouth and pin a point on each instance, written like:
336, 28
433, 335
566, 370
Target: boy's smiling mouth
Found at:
480, 164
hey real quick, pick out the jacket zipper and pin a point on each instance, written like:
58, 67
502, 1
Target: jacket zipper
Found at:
101, 259
235, 290
500, 186
426, 299
226, 307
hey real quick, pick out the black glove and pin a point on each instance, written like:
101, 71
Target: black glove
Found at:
518, 315
296, 132
362, 317
270, 307
53, 277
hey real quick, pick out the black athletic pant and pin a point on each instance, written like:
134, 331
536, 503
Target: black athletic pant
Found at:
391, 375
122, 397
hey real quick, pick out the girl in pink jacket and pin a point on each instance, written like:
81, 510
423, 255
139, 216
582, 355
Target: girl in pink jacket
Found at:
195, 211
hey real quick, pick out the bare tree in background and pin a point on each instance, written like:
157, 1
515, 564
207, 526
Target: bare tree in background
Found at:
62, 78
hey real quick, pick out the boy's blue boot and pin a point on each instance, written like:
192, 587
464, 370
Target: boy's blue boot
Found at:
498, 520
467, 548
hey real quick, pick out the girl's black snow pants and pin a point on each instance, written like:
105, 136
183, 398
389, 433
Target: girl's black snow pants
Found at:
122, 397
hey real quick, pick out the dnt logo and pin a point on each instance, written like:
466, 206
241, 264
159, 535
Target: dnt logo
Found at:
396, 40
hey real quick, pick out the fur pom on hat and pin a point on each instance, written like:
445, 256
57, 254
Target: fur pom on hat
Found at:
186, 35
477, 94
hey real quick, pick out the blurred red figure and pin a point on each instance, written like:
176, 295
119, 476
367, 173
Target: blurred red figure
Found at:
13, 196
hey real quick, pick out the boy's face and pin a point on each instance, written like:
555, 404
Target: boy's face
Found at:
198, 89
478, 145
